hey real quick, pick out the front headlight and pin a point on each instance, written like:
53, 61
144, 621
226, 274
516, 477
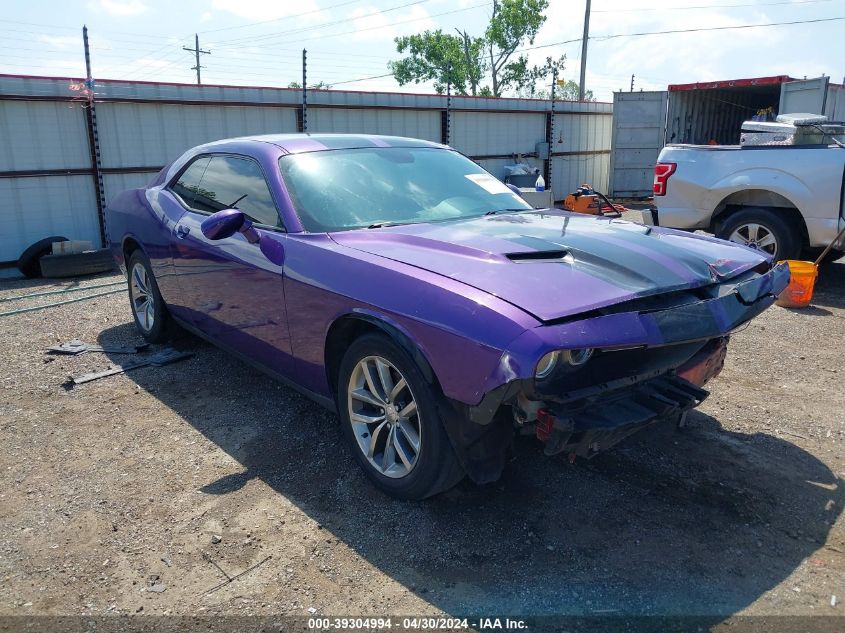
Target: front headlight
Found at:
577, 357
567, 359
546, 365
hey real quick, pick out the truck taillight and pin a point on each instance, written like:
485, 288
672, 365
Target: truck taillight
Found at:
662, 171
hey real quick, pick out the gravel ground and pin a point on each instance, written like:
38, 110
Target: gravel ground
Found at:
130, 494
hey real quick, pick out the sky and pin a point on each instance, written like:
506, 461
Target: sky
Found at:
349, 42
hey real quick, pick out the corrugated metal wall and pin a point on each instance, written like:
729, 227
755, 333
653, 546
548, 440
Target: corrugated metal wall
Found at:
416, 123
47, 181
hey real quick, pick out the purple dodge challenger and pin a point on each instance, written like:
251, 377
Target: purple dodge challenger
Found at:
396, 282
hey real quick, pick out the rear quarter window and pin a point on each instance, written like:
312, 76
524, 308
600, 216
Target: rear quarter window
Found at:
187, 186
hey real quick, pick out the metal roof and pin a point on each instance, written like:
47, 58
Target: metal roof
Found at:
775, 80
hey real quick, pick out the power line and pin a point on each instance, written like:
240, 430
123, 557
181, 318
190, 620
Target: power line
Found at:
43, 25
381, 26
287, 17
712, 6
352, 81
712, 28
316, 26
719, 28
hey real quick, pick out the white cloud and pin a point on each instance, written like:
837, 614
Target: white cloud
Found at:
121, 8
372, 24
207, 16
260, 10
61, 41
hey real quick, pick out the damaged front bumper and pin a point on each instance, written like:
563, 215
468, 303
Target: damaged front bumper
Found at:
585, 422
656, 357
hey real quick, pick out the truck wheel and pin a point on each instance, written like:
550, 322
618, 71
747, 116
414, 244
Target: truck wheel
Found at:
28, 262
764, 230
390, 419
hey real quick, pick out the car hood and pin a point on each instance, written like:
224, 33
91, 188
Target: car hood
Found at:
555, 264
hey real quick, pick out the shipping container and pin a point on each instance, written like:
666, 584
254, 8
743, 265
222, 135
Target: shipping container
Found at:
700, 114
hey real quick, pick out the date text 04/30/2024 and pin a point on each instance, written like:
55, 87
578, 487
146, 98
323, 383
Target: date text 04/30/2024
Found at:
416, 623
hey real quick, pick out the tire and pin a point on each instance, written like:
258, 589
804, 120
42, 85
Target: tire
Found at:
770, 224
77, 264
434, 466
155, 324
29, 261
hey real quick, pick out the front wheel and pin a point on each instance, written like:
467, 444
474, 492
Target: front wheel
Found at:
148, 309
391, 421
764, 230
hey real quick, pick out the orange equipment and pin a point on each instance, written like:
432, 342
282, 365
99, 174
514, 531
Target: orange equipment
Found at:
586, 200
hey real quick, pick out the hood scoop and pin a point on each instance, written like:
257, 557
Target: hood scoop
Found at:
537, 256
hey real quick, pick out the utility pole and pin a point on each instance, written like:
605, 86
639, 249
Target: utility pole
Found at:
584, 51
197, 51
632, 83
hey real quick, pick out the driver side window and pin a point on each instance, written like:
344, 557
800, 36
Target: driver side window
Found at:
235, 182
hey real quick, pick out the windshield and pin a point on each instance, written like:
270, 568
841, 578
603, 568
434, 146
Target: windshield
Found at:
354, 188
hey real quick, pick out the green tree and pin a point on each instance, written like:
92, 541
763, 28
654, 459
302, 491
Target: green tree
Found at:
569, 92
473, 59
514, 23
533, 84
429, 55
320, 85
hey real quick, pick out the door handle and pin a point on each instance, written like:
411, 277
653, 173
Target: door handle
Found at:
182, 231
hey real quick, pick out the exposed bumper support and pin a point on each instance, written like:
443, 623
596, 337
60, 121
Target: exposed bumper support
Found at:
586, 428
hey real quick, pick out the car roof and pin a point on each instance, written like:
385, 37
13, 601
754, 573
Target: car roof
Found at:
298, 143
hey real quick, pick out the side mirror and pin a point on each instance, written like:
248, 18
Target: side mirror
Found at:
227, 222
223, 224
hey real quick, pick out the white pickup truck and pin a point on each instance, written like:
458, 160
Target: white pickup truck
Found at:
782, 190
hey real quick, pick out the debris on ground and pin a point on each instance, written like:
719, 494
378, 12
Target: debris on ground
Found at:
74, 347
163, 357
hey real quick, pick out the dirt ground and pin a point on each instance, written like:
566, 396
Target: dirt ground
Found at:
130, 494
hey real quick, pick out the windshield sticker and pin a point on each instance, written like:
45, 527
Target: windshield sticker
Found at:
488, 183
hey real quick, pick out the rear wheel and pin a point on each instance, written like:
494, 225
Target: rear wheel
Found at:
764, 230
390, 418
148, 309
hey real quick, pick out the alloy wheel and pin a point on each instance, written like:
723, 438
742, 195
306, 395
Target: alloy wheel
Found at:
141, 294
756, 236
384, 417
